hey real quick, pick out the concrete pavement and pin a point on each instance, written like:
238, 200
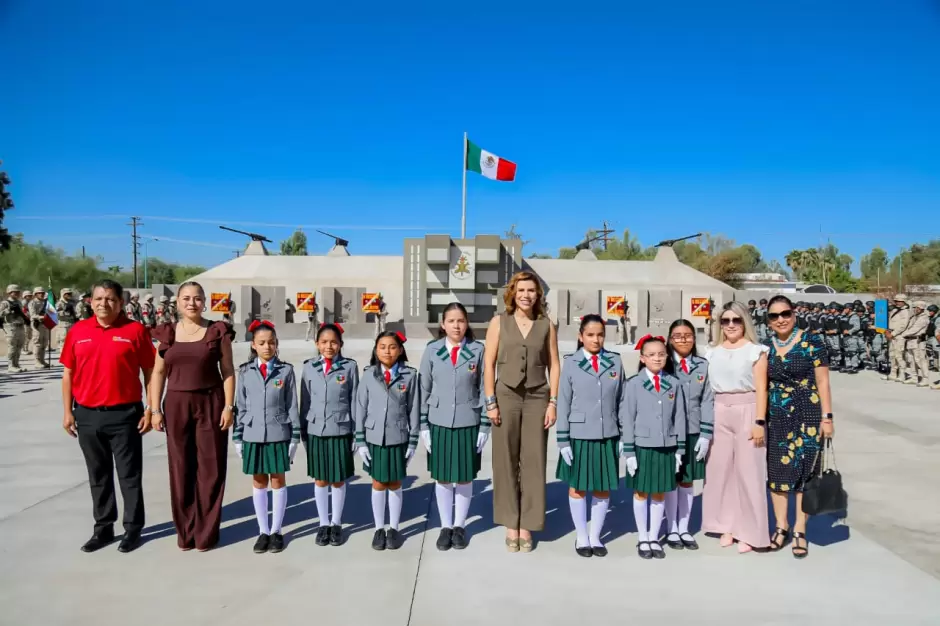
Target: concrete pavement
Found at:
883, 567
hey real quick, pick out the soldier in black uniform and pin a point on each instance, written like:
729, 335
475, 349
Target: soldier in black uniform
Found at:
832, 328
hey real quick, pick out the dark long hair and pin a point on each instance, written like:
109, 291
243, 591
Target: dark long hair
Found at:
647, 342
252, 354
402, 358
459, 307
670, 367
333, 327
590, 318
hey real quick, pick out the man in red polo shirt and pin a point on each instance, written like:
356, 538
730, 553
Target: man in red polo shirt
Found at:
103, 357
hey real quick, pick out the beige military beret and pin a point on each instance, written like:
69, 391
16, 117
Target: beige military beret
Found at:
164, 299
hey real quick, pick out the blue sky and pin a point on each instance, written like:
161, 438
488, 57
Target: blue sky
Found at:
774, 123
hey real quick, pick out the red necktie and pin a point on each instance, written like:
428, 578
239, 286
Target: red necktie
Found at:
685, 366
453, 354
656, 382
327, 365
264, 370
594, 362
388, 378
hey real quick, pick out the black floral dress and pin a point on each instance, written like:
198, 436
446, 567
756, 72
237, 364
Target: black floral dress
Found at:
794, 451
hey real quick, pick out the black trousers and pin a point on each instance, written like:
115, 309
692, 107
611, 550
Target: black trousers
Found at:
109, 438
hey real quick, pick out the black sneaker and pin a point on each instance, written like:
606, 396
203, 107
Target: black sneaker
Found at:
261, 545
323, 536
394, 539
459, 538
336, 535
379, 539
98, 540
444, 541
277, 542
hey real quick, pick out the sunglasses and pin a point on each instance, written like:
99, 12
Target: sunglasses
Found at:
773, 317
728, 321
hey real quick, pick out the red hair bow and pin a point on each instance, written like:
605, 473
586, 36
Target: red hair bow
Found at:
338, 327
401, 336
639, 344
255, 325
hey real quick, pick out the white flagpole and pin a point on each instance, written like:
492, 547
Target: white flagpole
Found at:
463, 213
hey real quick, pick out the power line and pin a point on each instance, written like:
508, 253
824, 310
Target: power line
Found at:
187, 220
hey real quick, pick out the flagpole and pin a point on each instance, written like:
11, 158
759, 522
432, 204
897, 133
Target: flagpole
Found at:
463, 212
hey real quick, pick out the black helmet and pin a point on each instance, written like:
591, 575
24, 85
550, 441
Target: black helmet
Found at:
933, 307
763, 300
859, 308
857, 302
818, 305
869, 303
750, 302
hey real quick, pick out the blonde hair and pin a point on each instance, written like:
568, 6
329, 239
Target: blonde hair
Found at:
509, 298
741, 310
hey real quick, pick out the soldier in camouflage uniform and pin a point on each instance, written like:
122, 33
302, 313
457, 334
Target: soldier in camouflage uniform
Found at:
14, 323
932, 343
898, 321
84, 307
37, 313
163, 311
174, 314
27, 298
132, 309
915, 348
148, 312
851, 326
65, 309
763, 329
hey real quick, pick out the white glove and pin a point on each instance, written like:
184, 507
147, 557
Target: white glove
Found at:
364, 454
292, 450
678, 461
620, 448
426, 438
701, 448
567, 455
355, 446
238, 449
482, 438
410, 452
631, 466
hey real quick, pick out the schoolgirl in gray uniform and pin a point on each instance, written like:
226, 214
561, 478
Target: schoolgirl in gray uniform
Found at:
454, 425
328, 387
267, 430
692, 371
591, 397
387, 423
654, 424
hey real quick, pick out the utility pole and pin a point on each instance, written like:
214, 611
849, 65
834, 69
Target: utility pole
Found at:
135, 243
238, 253
605, 234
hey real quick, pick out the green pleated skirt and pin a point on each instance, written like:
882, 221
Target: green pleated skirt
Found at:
656, 470
265, 458
453, 457
594, 466
691, 469
330, 458
388, 463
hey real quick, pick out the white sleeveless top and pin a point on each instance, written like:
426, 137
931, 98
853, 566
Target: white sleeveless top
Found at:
732, 371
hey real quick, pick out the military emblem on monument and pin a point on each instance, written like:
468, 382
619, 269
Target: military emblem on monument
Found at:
463, 267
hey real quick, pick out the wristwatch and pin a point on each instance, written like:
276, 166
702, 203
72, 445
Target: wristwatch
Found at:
760, 422
828, 416
228, 407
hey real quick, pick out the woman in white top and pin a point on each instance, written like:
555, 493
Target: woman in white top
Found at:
734, 503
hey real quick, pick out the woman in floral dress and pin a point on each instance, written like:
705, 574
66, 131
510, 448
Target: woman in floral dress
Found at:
799, 417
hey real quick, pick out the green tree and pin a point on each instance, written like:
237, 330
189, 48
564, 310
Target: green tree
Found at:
295, 245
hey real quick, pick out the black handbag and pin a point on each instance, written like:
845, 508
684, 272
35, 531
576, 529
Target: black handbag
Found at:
823, 492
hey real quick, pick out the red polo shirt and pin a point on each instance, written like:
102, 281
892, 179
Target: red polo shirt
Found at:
106, 362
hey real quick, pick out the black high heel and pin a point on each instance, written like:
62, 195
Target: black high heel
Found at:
803, 550
781, 534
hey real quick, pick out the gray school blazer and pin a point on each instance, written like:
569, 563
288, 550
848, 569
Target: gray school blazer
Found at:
699, 397
267, 408
387, 416
327, 400
452, 395
590, 403
653, 419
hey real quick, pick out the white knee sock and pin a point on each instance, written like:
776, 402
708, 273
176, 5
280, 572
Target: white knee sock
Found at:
394, 508
339, 499
672, 512
445, 503
378, 508
260, 498
322, 496
598, 515
462, 504
640, 517
278, 508
578, 508
656, 518
686, 497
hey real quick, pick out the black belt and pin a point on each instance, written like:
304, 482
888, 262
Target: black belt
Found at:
113, 408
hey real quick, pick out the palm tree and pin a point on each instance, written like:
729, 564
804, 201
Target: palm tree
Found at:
793, 261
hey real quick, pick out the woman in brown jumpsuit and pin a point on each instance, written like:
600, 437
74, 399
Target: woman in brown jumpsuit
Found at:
522, 344
194, 358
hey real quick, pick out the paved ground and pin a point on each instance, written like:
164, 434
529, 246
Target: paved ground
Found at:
883, 567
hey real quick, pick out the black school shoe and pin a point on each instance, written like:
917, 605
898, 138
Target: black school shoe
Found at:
599, 551
323, 536
129, 543
459, 539
336, 535
99, 540
674, 541
643, 550
584, 551
657, 550
262, 544
688, 541
393, 539
277, 543
445, 539
379, 539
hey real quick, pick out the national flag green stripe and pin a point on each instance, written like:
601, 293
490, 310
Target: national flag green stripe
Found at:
473, 157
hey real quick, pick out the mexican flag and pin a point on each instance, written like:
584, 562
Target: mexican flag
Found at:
51, 319
488, 164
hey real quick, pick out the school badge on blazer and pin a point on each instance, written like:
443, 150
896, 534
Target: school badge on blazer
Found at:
700, 378
340, 379
612, 374
278, 384
402, 387
672, 395
472, 367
